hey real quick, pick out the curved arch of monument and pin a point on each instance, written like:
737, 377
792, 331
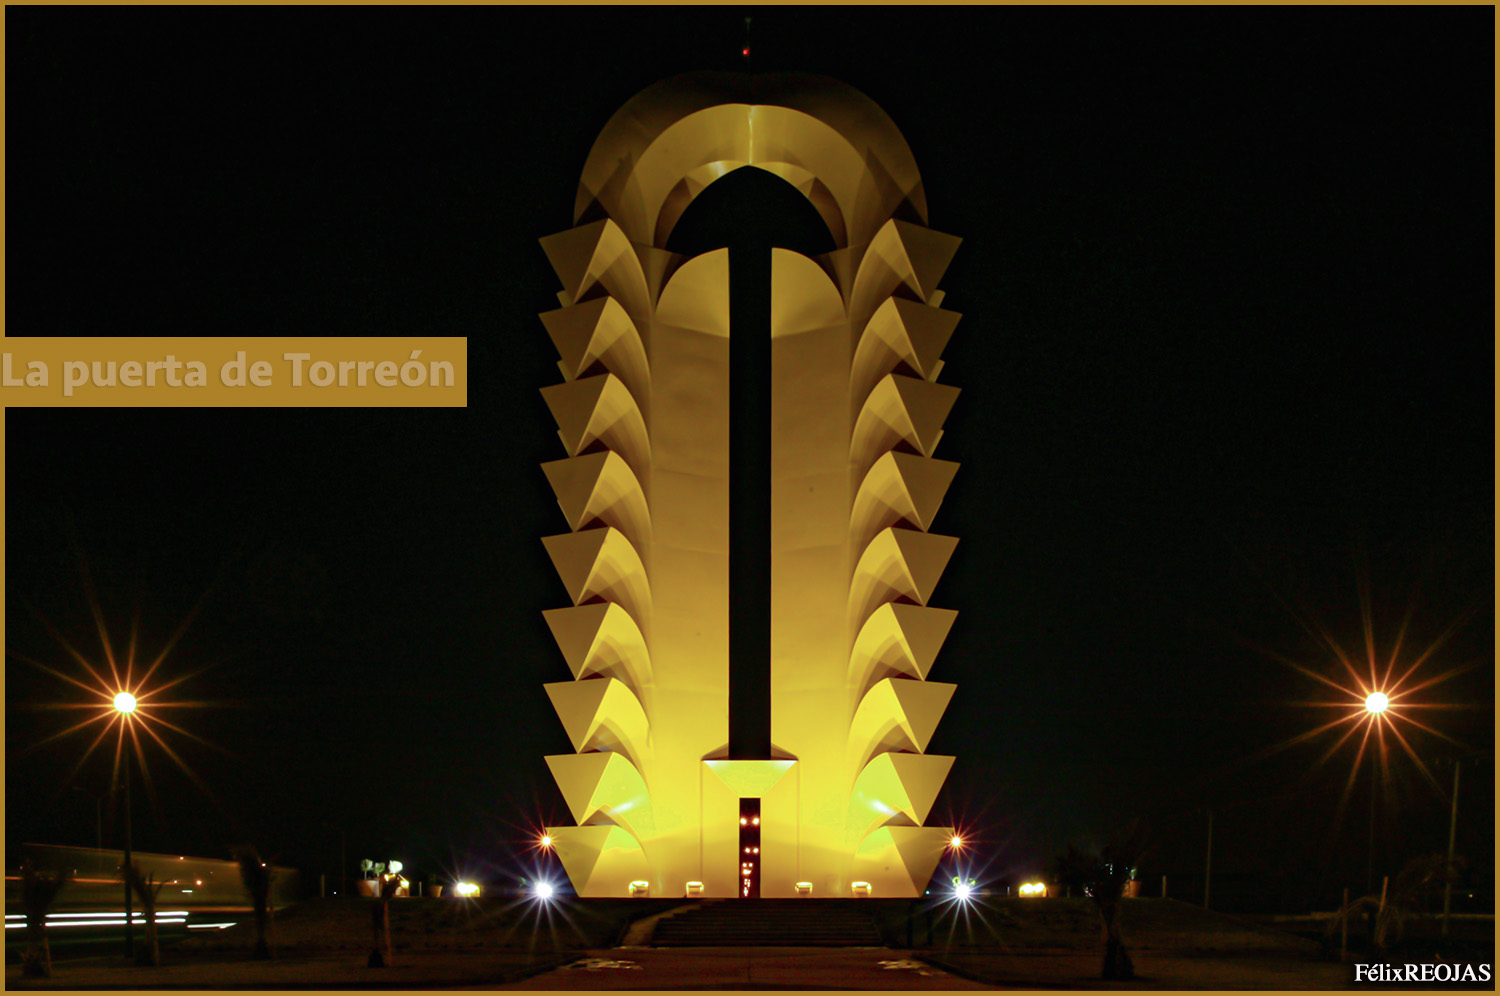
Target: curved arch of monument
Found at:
857, 336
797, 126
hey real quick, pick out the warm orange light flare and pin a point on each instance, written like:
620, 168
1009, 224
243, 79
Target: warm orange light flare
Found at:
956, 842
546, 841
1376, 703
125, 703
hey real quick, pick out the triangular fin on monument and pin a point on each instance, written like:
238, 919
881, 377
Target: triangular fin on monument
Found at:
900, 637
573, 332
577, 705
925, 556
572, 405
924, 628
922, 777
927, 405
574, 555
572, 254
922, 706
578, 848
573, 482
920, 848
926, 481
577, 777
602, 638
576, 630
928, 251
927, 331
584, 851
603, 787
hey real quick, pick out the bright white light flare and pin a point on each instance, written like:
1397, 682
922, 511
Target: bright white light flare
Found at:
1376, 702
125, 702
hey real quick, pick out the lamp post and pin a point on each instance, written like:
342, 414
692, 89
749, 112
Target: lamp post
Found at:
1452, 836
1375, 704
125, 705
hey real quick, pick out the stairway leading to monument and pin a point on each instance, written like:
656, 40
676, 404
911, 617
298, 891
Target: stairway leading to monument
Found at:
770, 922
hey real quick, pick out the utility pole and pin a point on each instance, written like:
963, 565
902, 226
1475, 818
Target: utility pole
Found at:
1208, 858
129, 929
1448, 868
1374, 785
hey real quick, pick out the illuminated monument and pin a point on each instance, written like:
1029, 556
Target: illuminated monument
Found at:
750, 563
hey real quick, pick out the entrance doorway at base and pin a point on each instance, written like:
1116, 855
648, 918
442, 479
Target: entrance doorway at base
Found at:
749, 848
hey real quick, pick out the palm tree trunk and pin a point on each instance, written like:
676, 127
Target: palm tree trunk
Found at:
38, 961
1117, 963
380, 950
149, 953
262, 930
38, 891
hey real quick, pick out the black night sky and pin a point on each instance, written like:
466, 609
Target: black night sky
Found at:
1227, 362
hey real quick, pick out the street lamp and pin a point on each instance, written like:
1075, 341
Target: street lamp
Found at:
1376, 704
125, 706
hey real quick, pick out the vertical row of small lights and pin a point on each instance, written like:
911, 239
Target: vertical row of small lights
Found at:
751, 853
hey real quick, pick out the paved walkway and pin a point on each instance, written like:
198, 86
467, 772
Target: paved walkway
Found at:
689, 968
326, 970
746, 968
1154, 970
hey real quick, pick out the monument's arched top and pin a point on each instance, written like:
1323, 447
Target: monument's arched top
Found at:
674, 138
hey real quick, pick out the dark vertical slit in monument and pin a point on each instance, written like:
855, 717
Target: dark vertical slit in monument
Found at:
749, 498
749, 211
749, 848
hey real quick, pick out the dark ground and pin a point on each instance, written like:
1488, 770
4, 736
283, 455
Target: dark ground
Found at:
499, 943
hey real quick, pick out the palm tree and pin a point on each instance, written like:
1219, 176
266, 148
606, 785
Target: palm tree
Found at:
144, 886
38, 891
257, 876
380, 923
1102, 875
1387, 914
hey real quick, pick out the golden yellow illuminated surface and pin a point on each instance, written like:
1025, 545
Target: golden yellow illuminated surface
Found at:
643, 486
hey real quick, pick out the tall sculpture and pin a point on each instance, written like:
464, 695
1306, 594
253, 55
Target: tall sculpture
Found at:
669, 796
